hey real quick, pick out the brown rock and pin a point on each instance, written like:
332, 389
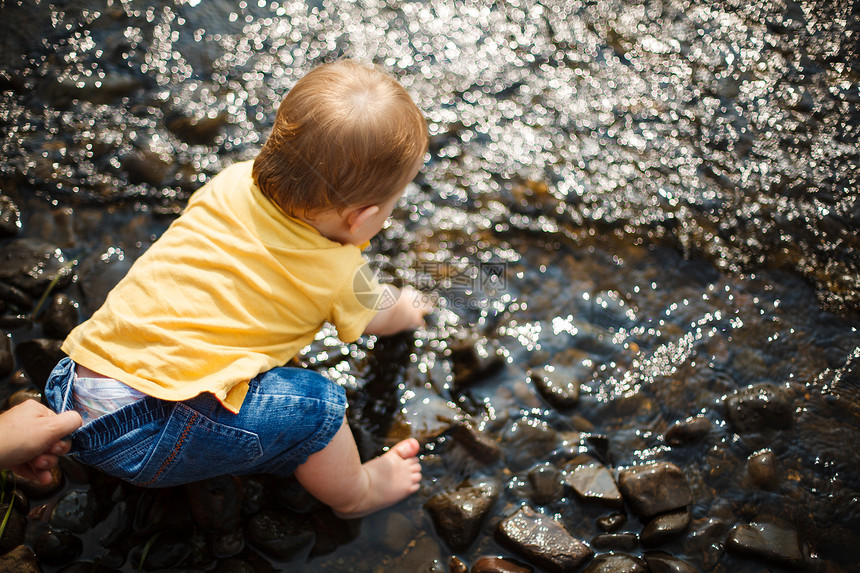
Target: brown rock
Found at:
543, 541
20, 560
458, 515
499, 565
616, 563
482, 447
665, 527
655, 488
762, 468
773, 541
595, 483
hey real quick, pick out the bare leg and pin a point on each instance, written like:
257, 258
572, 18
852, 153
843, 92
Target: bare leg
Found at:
336, 476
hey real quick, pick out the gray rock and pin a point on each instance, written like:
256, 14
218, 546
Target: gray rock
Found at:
775, 542
654, 488
543, 541
688, 431
482, 447
279, 535
458, 515
10, 217
474, 360
546, 484
595, 483
759, 408
556, 387
498, 565
32, 265
665, 527
659, 562
75, 512
616, 563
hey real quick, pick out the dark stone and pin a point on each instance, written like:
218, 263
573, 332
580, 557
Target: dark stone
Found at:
32, 265
145, 166
759, 408
458, 515
472, 361
167, 551
57, 547
482, 447
762, 468
279, 535
665, 527
37, 490
622, 541
75, 512
116, 524
7, 360
38, 357
498, 565
543, 541
61, 318
20, 560
659, 562
198, 130
616, 563
654, 488
595, 483
235, 566
526, 440
216, 502
456, 565
15, 297
13, 534
689, 431
611, 522
10, 217
23, 395
546, 484
774, 542
556, 387
227, 544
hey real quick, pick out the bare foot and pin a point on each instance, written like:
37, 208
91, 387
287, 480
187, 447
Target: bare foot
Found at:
391, 477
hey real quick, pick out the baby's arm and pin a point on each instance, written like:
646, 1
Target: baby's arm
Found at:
407, 313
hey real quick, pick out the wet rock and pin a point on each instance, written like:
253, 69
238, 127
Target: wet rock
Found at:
235, 566
759, 408
616, 563
7, 360
146, 166
762, 468
116, 524
167, 551
424, 415
611, 522
20, 560
688, 431
61, 318
75, 512
198, 130
595, 483
37, 490
654, 488
19, 379
22, 396
38, 357
216, 502
617, 541
457, 565
98, 89
481, 446
556, 387
100, 273
774, 542
498, 565
57, 547
665, 527
10, 217
474, 360
32, 265
528, 439
458, 515
13, 533
15, 297
659, 562
279, 535
546, 484
543, 541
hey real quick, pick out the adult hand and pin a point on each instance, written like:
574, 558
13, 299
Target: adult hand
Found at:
31, 439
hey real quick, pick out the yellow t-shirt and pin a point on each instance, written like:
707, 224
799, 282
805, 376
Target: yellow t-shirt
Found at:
233, 288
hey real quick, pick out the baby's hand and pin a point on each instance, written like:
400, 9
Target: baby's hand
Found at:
419, 304
407, 312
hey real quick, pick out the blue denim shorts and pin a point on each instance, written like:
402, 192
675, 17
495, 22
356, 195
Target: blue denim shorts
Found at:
288, 414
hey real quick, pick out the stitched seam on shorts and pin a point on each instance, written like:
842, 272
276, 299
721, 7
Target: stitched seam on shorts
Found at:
175, 451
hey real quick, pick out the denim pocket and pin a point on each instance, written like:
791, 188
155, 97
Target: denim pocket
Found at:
192, 447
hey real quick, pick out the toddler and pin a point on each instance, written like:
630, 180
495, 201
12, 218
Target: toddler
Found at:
180, 375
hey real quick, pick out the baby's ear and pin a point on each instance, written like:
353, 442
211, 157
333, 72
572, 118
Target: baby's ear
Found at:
359, 216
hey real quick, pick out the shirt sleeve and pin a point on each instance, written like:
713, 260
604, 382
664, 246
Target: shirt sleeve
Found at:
357, 302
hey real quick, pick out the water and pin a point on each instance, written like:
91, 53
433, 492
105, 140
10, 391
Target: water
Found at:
668, 191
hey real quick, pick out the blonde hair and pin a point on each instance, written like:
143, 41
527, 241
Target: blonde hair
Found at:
346, 134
